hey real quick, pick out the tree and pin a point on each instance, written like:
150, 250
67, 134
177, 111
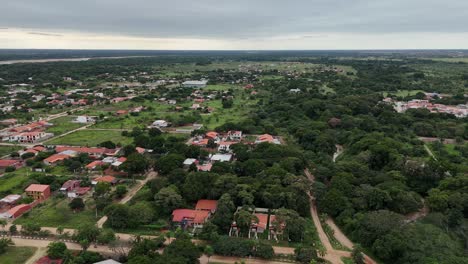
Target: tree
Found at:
107, 144
142, 213
13, 229
224, 213
102, 188
56, 250
183, 248
357, 255
305, 254
167, 199
209, 232
168, 163
4, 244
86, 231
120, 191
106, 236
208, 251
244, 219
118, 215
77, 204
135, 163
263, 250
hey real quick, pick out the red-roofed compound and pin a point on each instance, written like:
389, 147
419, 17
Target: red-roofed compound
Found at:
190, 218
38, 191
207, 205
93, 152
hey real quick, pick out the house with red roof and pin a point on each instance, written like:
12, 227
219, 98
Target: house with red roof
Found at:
55, 158
207, 205
204, 167
92, 152
94, 165
121, 112
267, 138
188, 218
38, 192
18, 210
109, 179
5, 163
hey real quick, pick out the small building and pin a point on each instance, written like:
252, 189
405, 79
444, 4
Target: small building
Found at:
267, 138
234, 135
17, 211
9, 201
5, 163
109, 179
195, 84
207, 205
221, 157
160, 123
204, 167
94, 164
84, 119
188, 162
9, 122
225, 146
70, 185
188, 218
56, 158
121, 112
39, 192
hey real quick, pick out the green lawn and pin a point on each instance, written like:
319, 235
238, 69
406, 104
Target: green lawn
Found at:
91, 138
62, 125
17, 255
13, 182
55, 212
6, 150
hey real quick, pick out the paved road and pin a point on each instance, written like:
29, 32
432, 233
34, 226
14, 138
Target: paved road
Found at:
151, 175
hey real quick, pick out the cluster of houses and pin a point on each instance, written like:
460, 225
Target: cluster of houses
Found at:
193, 219
29, 133
263, 221
220, 144
11, 208
458, 110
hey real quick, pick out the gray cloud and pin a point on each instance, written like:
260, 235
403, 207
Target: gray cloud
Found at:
229, 19
45, 34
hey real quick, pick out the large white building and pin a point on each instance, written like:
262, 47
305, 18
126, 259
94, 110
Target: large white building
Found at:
195, 84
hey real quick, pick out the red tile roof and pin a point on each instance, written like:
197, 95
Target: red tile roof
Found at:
37, 188
57, 157
212, 134
94, 164
209, 205
18, 210
197, 217
8, 163
109, 179
262, 220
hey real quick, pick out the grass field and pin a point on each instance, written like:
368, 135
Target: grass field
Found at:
403, 93
5, 150
13, 182
17, 255
62, 125
91, 138
55, 212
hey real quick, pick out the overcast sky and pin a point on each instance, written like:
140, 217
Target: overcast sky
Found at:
234, 24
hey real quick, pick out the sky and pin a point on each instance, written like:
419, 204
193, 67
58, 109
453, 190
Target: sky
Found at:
234, 24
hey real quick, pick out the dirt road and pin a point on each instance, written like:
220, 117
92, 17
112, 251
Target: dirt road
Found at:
151, 175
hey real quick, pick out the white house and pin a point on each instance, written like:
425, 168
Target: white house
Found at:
83, 119
195, 84
221, 157
160, 123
